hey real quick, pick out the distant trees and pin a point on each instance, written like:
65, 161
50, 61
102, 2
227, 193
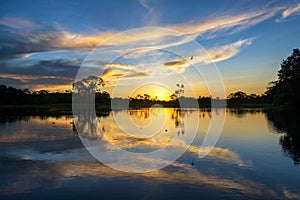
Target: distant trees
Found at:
285, 90
13, 96
243, 98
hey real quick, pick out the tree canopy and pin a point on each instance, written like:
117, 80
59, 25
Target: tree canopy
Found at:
285, 91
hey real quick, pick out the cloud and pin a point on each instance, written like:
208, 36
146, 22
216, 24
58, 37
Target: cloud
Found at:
175, 63
17, 23
115, 74
178, 65
225, 23
41, 74
51, 86
291, 10
112, 73
151, 12
20, 43
215, 54
290, 195
136, 74
118, 70
120, 66
27, 78
48, 73
227, 51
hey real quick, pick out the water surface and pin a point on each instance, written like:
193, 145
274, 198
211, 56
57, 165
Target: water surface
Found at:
256, 156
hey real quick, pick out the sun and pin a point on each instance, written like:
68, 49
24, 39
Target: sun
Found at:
163, 96
156, 92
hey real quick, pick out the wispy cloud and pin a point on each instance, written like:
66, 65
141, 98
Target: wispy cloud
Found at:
17, 44
151, 12
177, 65
20, 44
215, 54
226, 22
118, 70
227, 51
17, 23
120, 66
27, 78
290, 195
291, 10
110, 75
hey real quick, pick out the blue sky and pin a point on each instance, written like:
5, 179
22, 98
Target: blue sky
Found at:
43, 43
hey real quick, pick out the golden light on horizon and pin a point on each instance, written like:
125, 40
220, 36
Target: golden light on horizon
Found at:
155, 91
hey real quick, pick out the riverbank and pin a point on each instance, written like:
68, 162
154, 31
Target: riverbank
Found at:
67, 108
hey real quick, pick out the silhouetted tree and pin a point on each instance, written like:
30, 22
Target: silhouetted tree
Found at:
88, 86
285, 91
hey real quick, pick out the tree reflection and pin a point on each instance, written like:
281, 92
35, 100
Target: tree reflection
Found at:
177, 116
240, 113
287, 122
143, 113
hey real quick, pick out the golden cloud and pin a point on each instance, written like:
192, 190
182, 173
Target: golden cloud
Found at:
120, 66
290, 10
176, 63
26, 78
56, 87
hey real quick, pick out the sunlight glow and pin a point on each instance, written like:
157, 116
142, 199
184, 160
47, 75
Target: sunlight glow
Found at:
156, 91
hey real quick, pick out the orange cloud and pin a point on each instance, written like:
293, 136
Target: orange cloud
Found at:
27, 78
58, 87
120, 66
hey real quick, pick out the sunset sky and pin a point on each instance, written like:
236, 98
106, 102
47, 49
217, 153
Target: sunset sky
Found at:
43, 43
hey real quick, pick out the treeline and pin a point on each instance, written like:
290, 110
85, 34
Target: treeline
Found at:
234, 99
243, 98
13, 96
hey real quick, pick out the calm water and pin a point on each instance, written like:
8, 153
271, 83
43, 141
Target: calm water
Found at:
256, 156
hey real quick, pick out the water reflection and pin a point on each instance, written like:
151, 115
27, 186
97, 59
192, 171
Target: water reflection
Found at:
94, 128
138, 140
42, 157
287, 123
242, 112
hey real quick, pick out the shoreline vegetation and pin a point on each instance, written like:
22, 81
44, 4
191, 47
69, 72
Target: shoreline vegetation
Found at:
66, 108
280, 94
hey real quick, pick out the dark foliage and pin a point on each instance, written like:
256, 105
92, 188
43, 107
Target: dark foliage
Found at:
285, 91
13, 96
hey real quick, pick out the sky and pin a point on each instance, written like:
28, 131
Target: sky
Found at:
147, 46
